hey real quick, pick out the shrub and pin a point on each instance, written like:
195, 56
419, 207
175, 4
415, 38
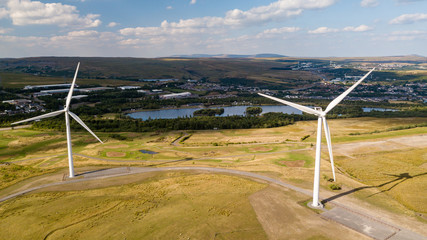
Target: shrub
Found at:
335, 186
117, 136
305, 137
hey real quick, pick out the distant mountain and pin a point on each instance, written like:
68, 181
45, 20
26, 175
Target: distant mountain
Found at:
262, 55
269, 55
196, 56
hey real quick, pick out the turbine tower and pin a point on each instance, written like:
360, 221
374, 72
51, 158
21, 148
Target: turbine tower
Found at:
321, 119
67, 113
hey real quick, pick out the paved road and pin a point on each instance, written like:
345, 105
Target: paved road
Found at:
359, 221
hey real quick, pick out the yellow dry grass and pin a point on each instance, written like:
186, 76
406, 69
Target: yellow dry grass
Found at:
176, 207
116, 154
117, 146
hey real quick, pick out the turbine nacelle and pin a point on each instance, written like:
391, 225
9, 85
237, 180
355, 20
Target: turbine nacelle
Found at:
320, 113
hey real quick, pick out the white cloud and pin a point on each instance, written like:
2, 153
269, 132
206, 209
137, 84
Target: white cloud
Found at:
322, 30
169, 7
85, 36
281, 30
3, 13
112, 24
409, 18
407, 35
5, 30
204, 34
236, 18
361, 28
369, 3
275, 32
82, 43
23, 42
408, 1
70, 44
26, 12
193, 1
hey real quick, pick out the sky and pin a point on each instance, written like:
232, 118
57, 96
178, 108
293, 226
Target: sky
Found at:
161, 28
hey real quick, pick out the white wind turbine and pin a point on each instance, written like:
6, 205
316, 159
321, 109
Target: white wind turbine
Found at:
67, 112
321, 118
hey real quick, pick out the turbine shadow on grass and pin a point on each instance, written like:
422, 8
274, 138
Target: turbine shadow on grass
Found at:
400, 178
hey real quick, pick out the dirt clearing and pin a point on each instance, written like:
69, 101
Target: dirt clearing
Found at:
116, 154
282, 217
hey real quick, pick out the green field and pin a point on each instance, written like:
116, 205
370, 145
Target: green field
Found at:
385, 169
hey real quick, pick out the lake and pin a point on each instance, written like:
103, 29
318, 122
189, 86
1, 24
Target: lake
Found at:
228, 111
379, 109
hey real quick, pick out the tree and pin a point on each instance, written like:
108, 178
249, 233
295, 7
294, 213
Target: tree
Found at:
253, 111
209, 112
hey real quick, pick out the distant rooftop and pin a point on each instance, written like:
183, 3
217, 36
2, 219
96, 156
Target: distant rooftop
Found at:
159, 80
94, 89
65, 85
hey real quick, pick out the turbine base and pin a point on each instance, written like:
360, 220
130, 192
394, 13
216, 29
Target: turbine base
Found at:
320, 206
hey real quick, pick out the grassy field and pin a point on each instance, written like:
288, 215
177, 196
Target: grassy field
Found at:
391, 165
174, 205
158, 208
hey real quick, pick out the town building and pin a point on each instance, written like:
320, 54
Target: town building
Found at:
175, 95
129, 87
32, 87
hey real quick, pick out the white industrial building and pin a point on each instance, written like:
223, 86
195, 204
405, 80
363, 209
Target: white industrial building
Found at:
129, 87
66, 85
94, 89
175, 95
54, 91
17, 101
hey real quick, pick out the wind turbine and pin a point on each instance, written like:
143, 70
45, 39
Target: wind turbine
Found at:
321, 119
67, 113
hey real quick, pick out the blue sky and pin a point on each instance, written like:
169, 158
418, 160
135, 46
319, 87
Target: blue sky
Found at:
158, 28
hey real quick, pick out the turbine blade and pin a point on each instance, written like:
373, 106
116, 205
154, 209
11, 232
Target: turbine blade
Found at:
344, 94
83, 124
328, 140
70, 93
51, 114
297, 106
